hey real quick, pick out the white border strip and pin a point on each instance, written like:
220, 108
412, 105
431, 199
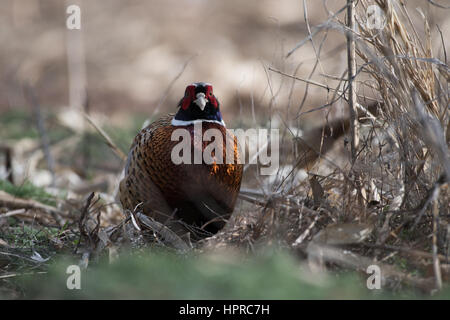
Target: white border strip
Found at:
179, 123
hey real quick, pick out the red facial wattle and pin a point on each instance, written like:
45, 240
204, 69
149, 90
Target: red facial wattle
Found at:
210, 96
188, 97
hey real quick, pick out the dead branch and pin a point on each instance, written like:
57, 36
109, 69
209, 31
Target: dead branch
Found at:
105, 136
42, 131
11, 202
169, 236
7, 151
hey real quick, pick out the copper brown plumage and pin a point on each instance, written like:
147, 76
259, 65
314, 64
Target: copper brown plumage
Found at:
184, 196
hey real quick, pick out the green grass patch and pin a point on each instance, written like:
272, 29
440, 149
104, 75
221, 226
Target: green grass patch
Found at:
27, 190
19, 123
27, 237
161, 275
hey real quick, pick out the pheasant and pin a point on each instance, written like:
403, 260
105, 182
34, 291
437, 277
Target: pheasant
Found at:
187, 196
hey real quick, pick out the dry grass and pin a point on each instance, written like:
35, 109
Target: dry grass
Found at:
392, 203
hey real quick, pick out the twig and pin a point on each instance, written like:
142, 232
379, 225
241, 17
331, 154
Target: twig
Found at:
20, 257
351, 61
82, 223
8, 162
306, 233
318, 84
438, 5
9, 201
13, 213
166, 92
436, 264
105, 136
405, 250
42, 132
12, 275
313, 33
169, 236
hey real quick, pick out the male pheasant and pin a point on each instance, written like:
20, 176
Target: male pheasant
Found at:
186, 196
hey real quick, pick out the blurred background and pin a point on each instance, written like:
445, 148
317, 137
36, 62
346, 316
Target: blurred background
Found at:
134, 59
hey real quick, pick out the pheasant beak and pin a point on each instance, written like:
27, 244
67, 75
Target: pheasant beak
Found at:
201, 100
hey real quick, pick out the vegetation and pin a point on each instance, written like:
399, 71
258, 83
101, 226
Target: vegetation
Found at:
28, 191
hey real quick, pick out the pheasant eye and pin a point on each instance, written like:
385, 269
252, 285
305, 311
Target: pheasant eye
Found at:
209, 91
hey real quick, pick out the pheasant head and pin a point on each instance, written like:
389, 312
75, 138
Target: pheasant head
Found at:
198, 103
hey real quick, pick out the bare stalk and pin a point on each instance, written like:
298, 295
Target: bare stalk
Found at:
42, 132
351, 75
8, 162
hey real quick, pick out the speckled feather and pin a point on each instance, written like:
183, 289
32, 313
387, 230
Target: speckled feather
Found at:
194, 193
